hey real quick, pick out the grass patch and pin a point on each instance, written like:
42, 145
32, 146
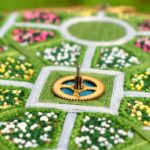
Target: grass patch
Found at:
97, 31
48, 96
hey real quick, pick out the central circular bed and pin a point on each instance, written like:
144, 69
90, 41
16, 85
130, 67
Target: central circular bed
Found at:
97, 31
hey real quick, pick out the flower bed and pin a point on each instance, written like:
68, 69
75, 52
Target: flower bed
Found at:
31, 36
139, 110
145, 26
140, 81
115, 58
3, 48
100, 133
143, 43
64, 54
11, 97
31, 129
16, 68
41, 17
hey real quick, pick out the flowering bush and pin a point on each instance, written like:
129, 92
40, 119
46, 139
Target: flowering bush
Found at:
3, 48
100, 133
115, 58
143, 43
64, 54
139, 110
141, 81
10, 98
30, 130
145, 26
15, 68
31, 36
41, 17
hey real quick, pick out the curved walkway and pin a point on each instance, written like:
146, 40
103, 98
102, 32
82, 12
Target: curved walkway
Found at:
130, 32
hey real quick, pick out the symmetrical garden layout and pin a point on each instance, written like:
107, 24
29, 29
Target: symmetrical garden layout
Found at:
38, 47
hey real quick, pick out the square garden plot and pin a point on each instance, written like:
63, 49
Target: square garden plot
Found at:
47, 94
42, 95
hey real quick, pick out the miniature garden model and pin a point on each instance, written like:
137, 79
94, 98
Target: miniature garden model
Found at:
79, 87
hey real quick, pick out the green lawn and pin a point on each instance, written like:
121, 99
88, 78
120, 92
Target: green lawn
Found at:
97, 31
48, 96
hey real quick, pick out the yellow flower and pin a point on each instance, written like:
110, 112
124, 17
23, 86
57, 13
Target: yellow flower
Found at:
145, 123
139, 114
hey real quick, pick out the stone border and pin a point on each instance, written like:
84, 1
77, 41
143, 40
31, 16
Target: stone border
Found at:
39, 84
130, 32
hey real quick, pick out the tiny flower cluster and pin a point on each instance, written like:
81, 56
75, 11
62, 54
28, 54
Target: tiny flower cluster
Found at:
10, 98
41, 17
141, 81
31, 36
143, 43
31, 130
99, 133
140, 110
3, 48
115, 58
145, 26
64, 54
15, 68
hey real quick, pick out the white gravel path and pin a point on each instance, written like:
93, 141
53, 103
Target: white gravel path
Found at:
37, 25
16, 83
87, 61
143, 33
8, 24
136, 94
66, 132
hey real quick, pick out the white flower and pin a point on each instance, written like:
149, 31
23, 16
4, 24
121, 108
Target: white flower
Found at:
44, 118
111, 130
48, 128
40, 113
28, 135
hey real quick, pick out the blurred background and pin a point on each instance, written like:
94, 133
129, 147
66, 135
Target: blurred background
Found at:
11, 5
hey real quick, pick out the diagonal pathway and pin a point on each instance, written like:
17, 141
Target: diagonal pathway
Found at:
9, 23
